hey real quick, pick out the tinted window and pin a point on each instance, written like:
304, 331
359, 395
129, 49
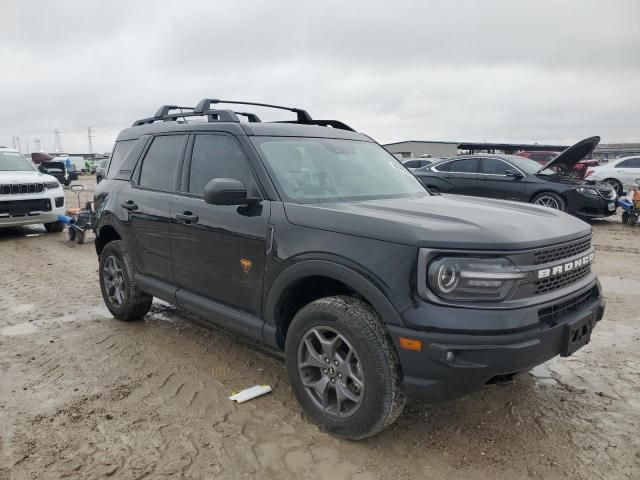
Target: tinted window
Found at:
120, 152
630, 163
412, 164
468, 165
161, 161
494, 166
217, 156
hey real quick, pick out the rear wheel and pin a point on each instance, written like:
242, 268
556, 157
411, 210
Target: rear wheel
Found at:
343, 367
550, 200
117, 283
54, 227
615, 184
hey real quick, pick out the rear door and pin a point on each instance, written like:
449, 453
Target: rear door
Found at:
219, 250
493, 181
461, 175
147, 201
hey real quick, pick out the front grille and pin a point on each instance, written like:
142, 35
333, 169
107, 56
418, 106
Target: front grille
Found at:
556, 313
553, 254
553, 283
21, 188
22, 208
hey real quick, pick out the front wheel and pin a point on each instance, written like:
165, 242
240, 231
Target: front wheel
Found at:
117, 283
616, 185
343, 367
550, 200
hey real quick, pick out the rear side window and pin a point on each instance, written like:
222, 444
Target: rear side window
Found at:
412, 164
161, 162
217, 156
467, 165
120, 152
494, 166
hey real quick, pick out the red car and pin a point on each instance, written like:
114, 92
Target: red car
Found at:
543, 157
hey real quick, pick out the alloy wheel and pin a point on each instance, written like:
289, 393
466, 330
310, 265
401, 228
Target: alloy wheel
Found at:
331, 372
547, 201
113, 278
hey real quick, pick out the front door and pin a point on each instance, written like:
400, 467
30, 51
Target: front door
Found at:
460, 176
219, 250
494, 182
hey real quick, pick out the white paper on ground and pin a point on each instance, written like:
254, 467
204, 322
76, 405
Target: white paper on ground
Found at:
250, 393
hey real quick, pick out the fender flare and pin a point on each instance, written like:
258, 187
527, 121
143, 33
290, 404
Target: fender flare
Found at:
325, 268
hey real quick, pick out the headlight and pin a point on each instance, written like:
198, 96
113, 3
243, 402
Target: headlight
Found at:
588, 191
52, 185
473, 279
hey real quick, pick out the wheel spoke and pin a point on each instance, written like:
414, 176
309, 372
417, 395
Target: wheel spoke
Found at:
328, 345
313, 358
343, 393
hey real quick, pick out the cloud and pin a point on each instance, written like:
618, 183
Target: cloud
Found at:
543, 71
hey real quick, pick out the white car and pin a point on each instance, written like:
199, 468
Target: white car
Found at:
27, 196
620, 173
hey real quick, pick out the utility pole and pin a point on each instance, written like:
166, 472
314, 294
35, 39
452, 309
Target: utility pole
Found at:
57, 143
16, 143
90, 137
36, 145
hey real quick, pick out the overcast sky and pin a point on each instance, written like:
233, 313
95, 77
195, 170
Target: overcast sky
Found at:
526, 71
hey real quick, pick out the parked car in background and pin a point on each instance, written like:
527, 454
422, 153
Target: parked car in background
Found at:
28, 196
579, 170
56, 169
101, 170
512, 177
619, 173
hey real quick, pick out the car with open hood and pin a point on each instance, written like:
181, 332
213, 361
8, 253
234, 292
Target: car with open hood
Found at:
516, 178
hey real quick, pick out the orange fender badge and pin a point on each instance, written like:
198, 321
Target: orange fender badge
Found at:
246, 264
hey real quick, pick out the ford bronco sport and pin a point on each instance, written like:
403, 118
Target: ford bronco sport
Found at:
311, 238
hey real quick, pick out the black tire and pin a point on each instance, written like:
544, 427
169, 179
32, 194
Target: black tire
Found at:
625, 218
135, 303
80, 237
615, 184
550, 200
72, 233
54, 227
382, 397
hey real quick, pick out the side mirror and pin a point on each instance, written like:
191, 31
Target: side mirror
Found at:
514, 173
227, 191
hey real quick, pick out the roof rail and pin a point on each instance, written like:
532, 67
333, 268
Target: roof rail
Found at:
205, 103
213, 116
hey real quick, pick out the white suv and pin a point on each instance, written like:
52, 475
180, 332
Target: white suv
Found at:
27, 196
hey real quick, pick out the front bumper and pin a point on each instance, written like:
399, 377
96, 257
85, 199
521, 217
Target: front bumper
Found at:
453, 364
30, 209
590, 207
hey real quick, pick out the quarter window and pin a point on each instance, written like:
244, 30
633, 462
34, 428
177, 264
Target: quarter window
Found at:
120, 152
161, 162
217, 156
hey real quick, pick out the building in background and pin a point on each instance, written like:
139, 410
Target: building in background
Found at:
417, 148
610, 151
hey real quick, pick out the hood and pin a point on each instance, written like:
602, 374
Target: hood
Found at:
444, 221
572, 155
25, 177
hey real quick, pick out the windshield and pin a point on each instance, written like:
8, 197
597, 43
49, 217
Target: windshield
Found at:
308, 170
14, 162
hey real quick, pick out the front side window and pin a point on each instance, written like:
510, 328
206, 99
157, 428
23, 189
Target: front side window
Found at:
217, 156
14, 162
494, 166
120, 152
630, 163
307, 170
161, 162
467, 165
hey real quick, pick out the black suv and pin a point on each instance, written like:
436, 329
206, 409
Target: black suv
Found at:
313, 239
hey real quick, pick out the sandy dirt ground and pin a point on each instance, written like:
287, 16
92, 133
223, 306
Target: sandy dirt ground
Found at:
85, 396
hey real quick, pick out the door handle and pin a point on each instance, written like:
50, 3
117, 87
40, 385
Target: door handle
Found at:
129, 205
187, 217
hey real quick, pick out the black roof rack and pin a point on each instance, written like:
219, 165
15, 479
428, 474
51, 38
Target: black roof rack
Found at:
204, 109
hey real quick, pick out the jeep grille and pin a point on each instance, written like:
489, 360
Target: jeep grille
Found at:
21, 188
